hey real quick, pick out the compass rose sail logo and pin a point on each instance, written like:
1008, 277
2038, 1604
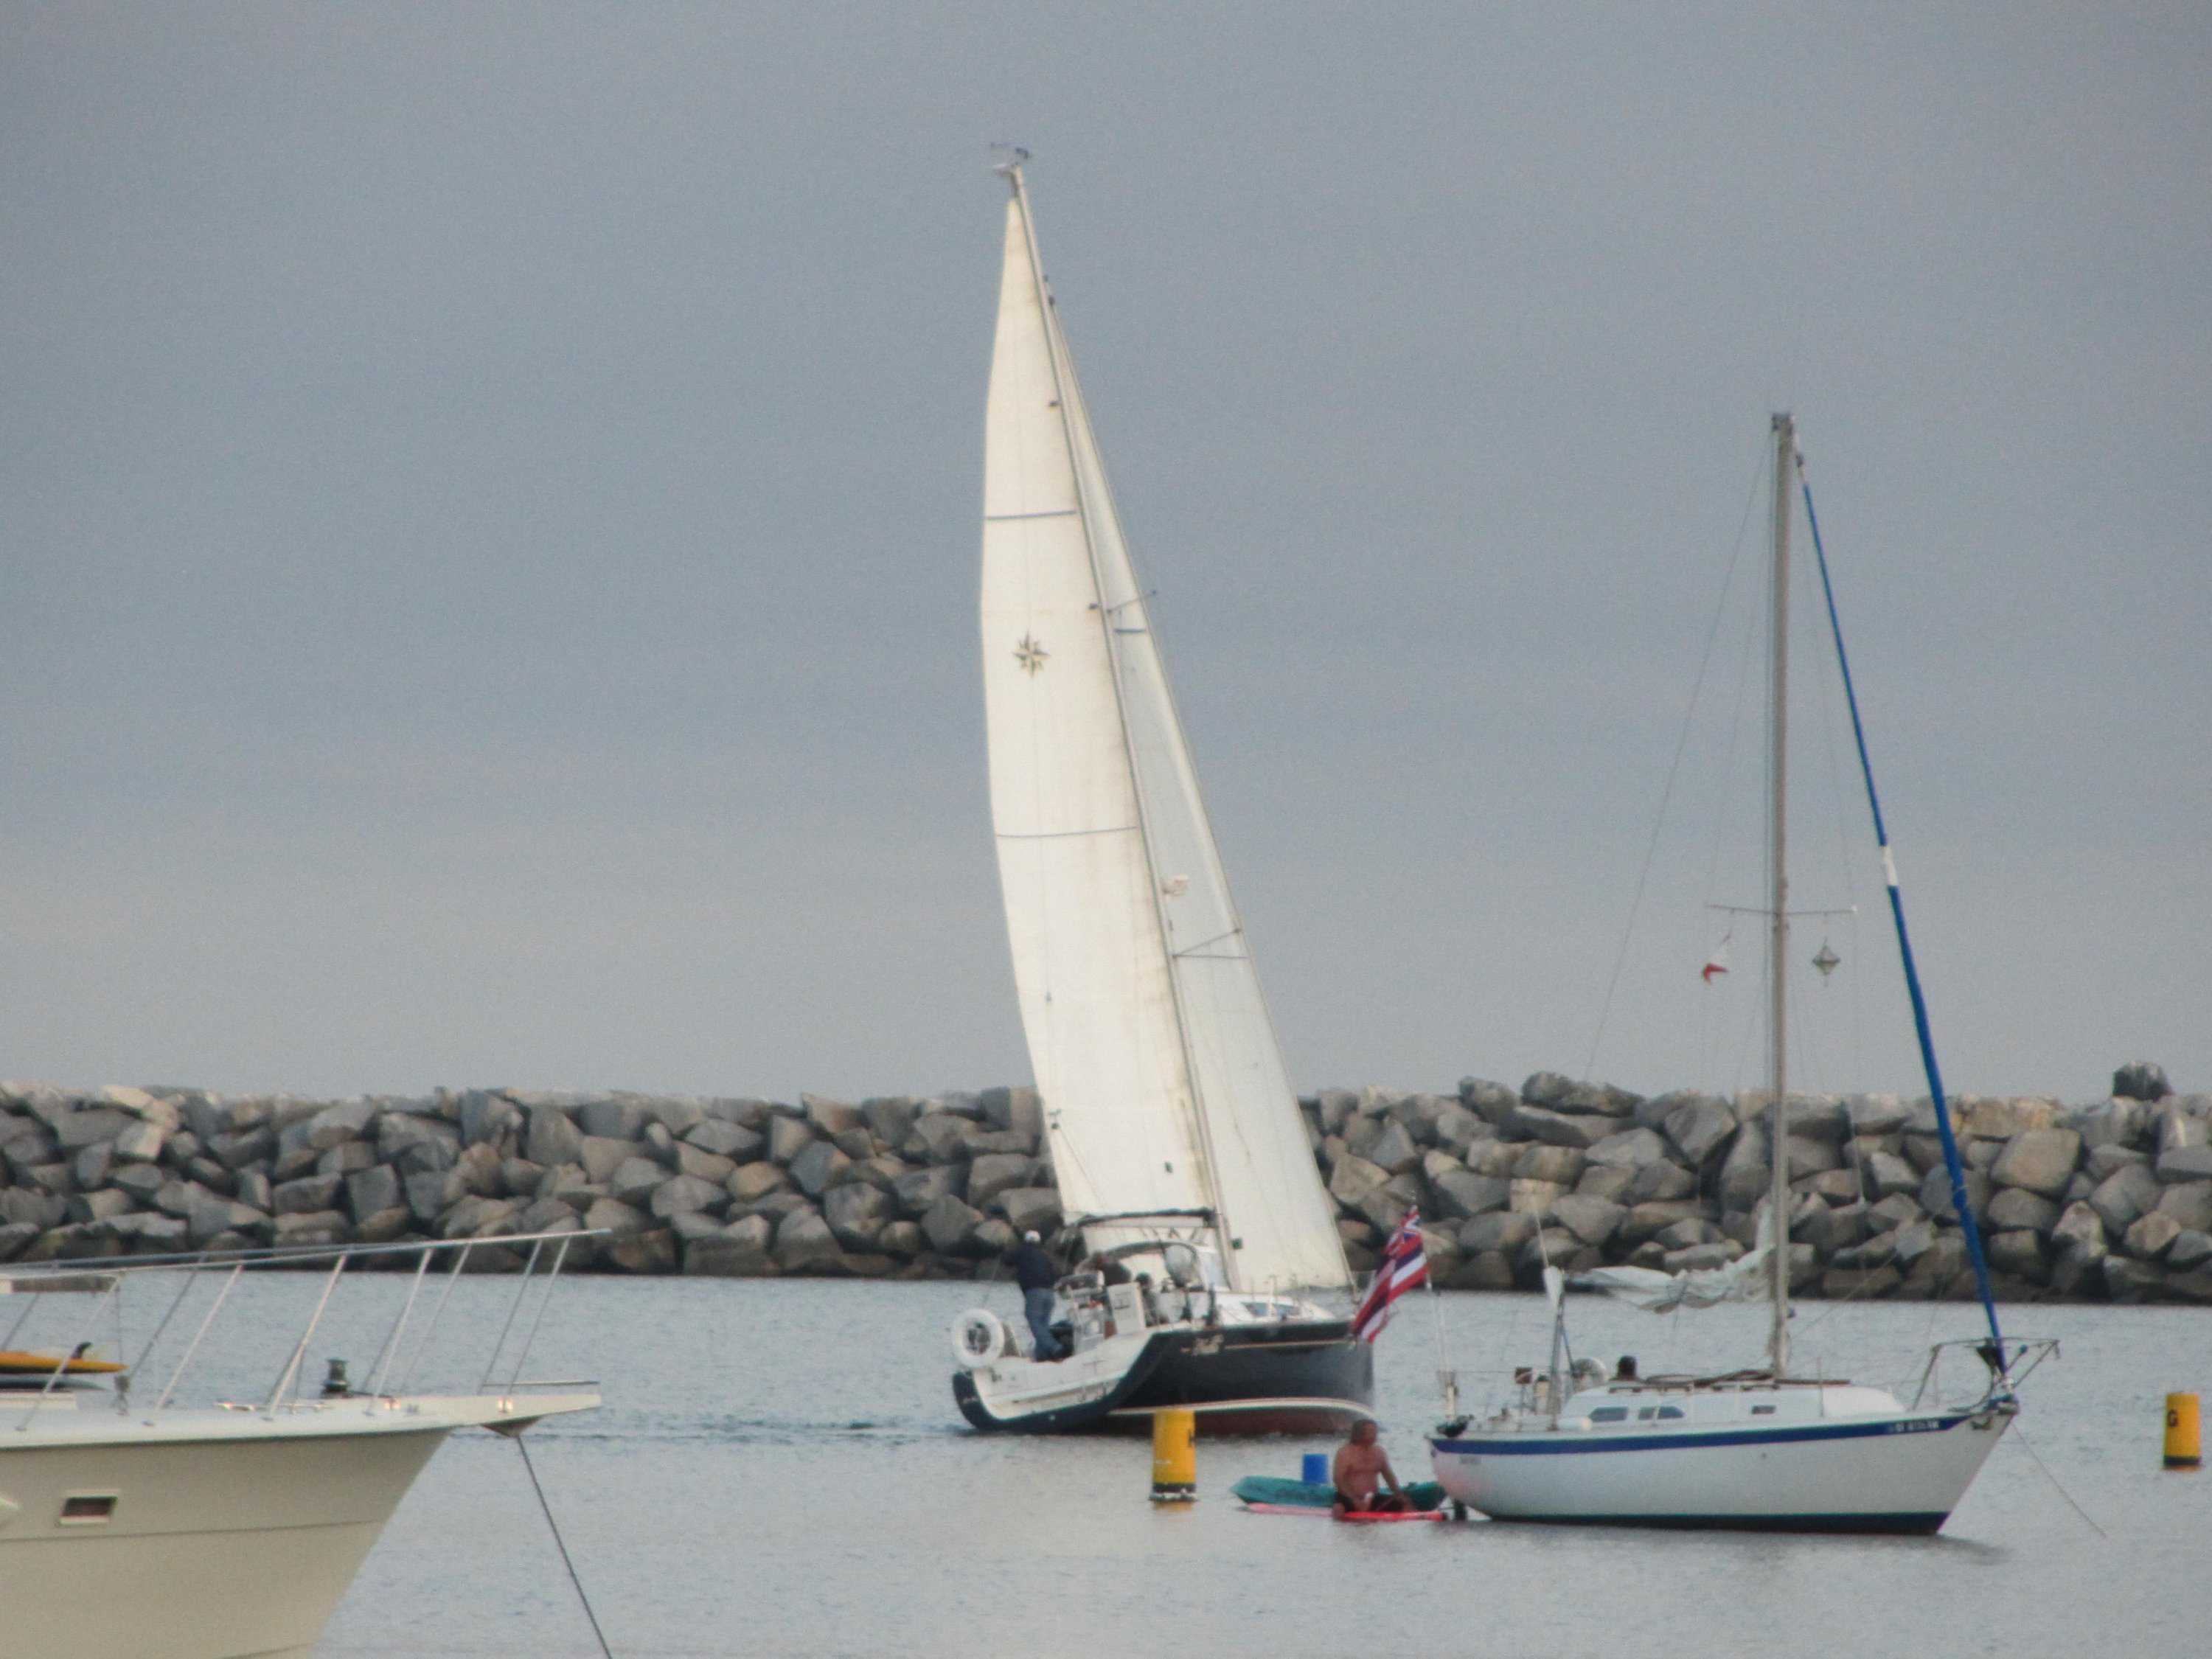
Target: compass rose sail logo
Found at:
1029, 654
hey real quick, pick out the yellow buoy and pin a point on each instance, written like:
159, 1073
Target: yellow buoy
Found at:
1175, 1455
2185, 1433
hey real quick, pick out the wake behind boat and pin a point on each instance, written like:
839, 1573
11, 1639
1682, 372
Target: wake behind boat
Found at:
1183, 1164
1758, 1449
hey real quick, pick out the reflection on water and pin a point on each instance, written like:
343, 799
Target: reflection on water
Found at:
780, 1471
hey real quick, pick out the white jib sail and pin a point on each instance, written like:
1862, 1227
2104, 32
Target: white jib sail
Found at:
1163, 1084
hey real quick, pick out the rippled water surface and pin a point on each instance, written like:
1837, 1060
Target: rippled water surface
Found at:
779, 1470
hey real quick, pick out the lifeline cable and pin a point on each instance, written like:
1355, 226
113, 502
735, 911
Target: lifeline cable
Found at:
561, 1544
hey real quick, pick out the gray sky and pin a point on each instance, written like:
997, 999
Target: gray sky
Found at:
490, 544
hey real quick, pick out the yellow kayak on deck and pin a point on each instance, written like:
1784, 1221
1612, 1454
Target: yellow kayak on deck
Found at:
13, 1364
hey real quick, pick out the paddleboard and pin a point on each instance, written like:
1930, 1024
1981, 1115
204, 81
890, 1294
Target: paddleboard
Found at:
1360, 1519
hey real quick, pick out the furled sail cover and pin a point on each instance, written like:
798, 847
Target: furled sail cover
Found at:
1162, 1086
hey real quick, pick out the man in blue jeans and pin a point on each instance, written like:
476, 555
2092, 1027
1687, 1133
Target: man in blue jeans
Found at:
1035, 1273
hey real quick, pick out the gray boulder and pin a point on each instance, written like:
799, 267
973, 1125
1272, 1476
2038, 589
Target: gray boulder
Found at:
613, 1120
1886, 1175
1630, 1150
312, 1230
921, 1189
937, 1138
995, 1173
2129, 1280
2129, 1191
741, 1250
1496, 1230
1592, 1220
430, 1193
302, 1197
611, 1215
1393, 1149
477, 1217
1030, 1208
1876, 1115
686, 1195
653, 1251
140, 1142
2021, 1254
890, 1118
484, 1119
2038, 1160
787, 1137
805, 1243
600, 1156
2190, 1205
2079, 1225
949, 1225
726, 1139
634, 1179
75, 1130
552, 1138
1354, 1178
1546, 1089
2017, 1207
749, 1183
818, 1167
1745, 1176
702, 1164
857, 1212
2180, 1163
1563, 1164
1657, 1183
1463, 1195
1529, 1122
2149, 1236
2191, 1250
2141, 1080
1935, 1195
830, 1118
1647, 1220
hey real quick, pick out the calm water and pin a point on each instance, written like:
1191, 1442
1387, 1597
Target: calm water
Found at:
780, 1471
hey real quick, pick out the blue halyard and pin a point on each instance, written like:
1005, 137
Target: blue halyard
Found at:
1968, 1225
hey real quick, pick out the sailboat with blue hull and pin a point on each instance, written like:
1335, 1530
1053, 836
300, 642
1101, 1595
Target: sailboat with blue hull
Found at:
1763, 1448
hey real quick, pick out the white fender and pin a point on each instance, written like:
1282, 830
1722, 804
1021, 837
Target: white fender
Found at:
978, 1339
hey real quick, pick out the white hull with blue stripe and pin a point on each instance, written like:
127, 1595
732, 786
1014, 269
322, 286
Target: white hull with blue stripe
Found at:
1734, 1453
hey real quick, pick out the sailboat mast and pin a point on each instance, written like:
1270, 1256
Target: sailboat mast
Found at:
1785, 446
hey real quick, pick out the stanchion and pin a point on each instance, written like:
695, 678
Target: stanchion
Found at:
2184, 1431
1175, 1455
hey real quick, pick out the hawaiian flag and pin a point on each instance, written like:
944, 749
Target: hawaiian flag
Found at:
1405, 1268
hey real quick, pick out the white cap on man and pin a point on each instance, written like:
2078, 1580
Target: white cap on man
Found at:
1030, 1236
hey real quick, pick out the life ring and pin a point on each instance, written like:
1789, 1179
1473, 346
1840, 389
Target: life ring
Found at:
978, 1337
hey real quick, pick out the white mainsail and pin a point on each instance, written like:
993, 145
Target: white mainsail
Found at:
1163, 1087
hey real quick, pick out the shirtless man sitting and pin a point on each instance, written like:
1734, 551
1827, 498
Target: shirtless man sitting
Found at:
1360, 1470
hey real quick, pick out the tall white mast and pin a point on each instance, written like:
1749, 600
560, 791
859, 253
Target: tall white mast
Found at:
1778, 948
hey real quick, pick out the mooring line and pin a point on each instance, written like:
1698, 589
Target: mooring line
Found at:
562, 1544
2021, 1441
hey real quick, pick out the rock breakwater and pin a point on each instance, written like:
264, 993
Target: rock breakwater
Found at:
2112, 1199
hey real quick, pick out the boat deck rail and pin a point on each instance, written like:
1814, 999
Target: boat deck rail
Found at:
398, 1357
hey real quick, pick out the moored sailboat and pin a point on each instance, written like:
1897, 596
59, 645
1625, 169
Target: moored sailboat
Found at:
1181, 1159
1764, 1447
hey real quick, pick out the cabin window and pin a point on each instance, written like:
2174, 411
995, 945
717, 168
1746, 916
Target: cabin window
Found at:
1669, 1412
1610, 1414
1762, 1411
88, 1509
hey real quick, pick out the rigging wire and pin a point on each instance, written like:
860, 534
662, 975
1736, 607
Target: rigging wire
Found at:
562, 1545
1674, 768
